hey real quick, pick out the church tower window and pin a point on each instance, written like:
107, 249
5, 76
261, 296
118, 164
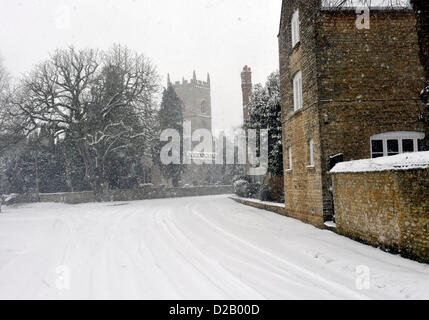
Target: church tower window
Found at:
204, 107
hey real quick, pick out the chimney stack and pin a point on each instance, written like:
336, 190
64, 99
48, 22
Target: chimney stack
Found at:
246, 86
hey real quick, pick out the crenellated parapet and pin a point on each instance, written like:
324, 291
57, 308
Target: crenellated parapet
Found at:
196, 97
190, 83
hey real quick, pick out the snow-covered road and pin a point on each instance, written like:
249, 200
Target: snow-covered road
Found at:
189, 248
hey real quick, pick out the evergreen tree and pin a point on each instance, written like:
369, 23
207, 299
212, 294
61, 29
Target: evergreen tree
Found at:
20, 171
171, 117
265, 113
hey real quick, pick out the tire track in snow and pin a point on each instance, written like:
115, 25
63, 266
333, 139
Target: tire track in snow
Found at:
213, 267
173, 248
298, 269
248, 258
146, 267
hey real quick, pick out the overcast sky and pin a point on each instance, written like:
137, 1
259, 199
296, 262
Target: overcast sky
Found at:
216, 36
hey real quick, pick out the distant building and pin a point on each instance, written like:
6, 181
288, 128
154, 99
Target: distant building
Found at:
197, 109
348, 93
196, 98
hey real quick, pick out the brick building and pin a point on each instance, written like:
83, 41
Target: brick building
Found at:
347, 93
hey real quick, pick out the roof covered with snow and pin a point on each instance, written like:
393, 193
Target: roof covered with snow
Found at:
371, 8
406, 161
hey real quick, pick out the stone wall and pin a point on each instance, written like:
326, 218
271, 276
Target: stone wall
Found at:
387, 209
279, 209
129, 195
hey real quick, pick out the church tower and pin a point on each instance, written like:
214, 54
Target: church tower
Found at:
196, 97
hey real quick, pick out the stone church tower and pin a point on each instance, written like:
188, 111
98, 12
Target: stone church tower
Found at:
197, 108
196, 98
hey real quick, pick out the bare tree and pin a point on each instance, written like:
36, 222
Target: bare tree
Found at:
13, 128
3, 77
3, 86
104, 101
3, 89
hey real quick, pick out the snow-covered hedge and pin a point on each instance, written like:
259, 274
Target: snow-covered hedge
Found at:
242, 188
241, 177
7, 199
246, 189
264, 193
254, 189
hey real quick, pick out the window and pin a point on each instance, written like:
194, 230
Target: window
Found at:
407, 145
396, 142
311, 153
392, 147
203, 107
377, 148
297, 91
290, 159
295, 29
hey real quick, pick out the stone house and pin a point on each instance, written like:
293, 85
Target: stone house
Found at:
348, 92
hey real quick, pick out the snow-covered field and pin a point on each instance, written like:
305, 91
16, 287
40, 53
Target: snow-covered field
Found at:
189, 248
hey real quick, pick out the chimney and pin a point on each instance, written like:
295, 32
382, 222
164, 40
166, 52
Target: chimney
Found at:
246, 86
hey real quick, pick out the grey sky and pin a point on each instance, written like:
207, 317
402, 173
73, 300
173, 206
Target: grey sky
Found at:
216, 36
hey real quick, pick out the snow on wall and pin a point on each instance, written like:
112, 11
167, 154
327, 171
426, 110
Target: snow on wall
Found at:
406, 161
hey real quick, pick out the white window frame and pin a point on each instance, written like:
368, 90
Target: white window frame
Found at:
290, 165
297, 91
295, 29
397, 135
311, 153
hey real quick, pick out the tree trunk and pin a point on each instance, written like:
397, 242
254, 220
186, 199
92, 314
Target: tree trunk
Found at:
421, 11
98, 182
175, 181
36, 169
94, 172
98, 189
